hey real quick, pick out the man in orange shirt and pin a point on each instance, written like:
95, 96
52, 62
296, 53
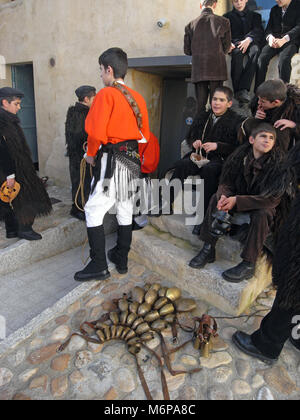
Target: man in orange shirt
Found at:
116, 123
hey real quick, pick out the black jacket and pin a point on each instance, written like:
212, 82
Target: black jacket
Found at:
289, 24
223, 132
250, 26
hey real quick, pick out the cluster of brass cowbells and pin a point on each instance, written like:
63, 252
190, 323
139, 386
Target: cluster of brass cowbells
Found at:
146, 310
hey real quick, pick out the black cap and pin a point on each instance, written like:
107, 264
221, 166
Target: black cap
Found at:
8, 92
84, 91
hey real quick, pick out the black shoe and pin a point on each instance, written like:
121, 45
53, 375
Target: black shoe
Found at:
11, 235
243, 271
30, 235
77, 214
207, 255
114, 259
197, 230
244, 342
92, 272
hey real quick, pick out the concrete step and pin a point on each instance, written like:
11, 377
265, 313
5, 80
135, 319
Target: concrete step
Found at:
169, 256
227, 248
60, 233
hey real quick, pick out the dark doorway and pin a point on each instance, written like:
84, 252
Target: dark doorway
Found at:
178, 110
22, 79
178, 102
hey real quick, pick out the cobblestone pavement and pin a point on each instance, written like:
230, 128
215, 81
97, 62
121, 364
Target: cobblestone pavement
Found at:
34, 370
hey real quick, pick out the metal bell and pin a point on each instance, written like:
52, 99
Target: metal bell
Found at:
162, 291
123, 317
142, 328
152, 316
123, 305
160, 303
167, 309
160, 324
205, 350
114, 318
133, 307
155, 286
151, 297
130, 319
100, 335
173, 293
137, 322
144, 309
138, 294
185, 305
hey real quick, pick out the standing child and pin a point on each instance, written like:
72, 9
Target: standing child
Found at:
207, 39
247, 35
117, 121
76, 137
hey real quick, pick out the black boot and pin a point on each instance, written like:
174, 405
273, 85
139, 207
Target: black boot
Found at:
244, 342
206, 255
197, 230
243, 271
77, 214
97, 269
26, 232
119, 254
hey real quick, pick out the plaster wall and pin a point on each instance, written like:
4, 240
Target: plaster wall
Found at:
74, 33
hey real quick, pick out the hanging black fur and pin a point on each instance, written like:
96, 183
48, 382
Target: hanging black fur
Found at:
33, 199
286, 266
74, 129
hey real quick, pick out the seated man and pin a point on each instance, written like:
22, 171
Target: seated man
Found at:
283, 38
279, 105
247, 34
217, 130
250, 182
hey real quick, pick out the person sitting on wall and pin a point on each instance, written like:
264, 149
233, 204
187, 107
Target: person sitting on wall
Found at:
76, 137
207, 39
251, 182
283, 39
279, 325
16, 166
214, 132
278, 104
247, 35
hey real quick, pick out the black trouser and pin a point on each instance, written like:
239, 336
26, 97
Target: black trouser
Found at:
204, 90
261, 222
13, 226
243, 67
74, 167
210, 173
286, 54
274, 331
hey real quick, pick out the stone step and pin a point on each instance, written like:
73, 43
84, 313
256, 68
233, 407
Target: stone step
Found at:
59, 230
169, 257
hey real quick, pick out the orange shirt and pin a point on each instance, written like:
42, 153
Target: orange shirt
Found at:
111, 119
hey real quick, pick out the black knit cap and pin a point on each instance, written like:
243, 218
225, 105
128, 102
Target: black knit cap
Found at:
8, 92
84, 91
